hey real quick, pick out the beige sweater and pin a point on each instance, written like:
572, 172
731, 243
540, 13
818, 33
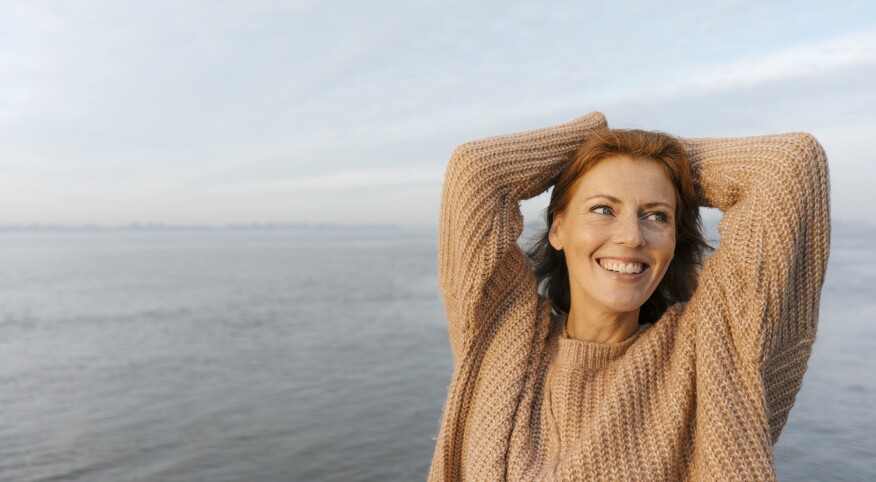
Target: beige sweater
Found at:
702, 394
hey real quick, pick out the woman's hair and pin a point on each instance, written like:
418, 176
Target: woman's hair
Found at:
680, 280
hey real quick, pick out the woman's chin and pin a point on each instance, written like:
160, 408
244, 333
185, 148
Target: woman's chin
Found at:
624, 306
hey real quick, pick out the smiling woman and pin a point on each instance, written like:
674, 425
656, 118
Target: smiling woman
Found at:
616, 253
638, 361
623, 209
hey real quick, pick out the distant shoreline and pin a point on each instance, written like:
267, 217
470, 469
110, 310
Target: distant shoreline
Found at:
530, 226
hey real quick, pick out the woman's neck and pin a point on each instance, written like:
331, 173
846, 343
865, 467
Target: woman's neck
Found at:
602, 327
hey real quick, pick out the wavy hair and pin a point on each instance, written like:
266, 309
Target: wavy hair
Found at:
682, 275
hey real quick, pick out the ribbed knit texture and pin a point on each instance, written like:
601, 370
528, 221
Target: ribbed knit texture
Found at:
702, 394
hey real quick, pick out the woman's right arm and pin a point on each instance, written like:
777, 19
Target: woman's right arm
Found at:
483, 274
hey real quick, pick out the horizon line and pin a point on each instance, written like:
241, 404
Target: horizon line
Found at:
142, 226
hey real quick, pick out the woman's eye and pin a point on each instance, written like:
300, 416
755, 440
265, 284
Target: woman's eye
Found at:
601, 209
660, 216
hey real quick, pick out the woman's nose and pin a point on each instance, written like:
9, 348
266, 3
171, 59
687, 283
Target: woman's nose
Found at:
630, 232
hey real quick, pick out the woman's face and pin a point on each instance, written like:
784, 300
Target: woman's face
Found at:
621, 218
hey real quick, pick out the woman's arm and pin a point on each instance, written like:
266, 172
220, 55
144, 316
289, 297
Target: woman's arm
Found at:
761, 288
480, 222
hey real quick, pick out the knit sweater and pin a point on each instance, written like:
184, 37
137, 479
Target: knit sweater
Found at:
701, 394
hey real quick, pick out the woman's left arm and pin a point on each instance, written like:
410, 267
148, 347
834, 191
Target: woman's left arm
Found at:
759, 293
775, 236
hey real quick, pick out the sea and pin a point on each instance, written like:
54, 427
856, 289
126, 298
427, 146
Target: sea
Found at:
304, 354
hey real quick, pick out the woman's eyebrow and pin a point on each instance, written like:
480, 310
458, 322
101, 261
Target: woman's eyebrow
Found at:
657, 203
616, 200
606, 196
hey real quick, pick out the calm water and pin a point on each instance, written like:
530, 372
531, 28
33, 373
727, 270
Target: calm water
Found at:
317, 354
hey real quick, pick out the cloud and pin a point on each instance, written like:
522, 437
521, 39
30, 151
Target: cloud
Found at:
346, 179
798, 61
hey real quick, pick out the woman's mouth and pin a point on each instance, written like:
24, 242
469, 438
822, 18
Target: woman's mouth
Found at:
621, 268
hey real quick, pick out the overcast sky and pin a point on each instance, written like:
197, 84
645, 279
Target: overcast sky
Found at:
213, 112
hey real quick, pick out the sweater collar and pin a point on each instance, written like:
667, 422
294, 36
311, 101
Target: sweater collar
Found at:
591, 355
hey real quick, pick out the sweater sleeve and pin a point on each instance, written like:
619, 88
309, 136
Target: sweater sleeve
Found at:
760, 289
480, 220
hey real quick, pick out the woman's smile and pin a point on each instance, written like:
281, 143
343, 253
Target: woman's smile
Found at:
624, 272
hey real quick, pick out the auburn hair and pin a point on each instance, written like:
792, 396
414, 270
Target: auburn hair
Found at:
682, 275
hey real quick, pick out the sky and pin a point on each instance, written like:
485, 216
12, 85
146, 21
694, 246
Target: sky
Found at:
346, 112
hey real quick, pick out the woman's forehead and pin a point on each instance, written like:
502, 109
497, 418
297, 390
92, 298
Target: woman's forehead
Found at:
621, 179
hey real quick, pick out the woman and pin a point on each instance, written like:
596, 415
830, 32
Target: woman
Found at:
627, 367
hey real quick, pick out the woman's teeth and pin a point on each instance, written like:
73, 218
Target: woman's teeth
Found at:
631, 268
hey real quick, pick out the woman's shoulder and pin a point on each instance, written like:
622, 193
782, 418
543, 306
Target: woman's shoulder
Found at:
669, 320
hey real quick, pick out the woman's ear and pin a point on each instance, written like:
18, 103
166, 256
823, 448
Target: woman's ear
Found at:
554, 235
